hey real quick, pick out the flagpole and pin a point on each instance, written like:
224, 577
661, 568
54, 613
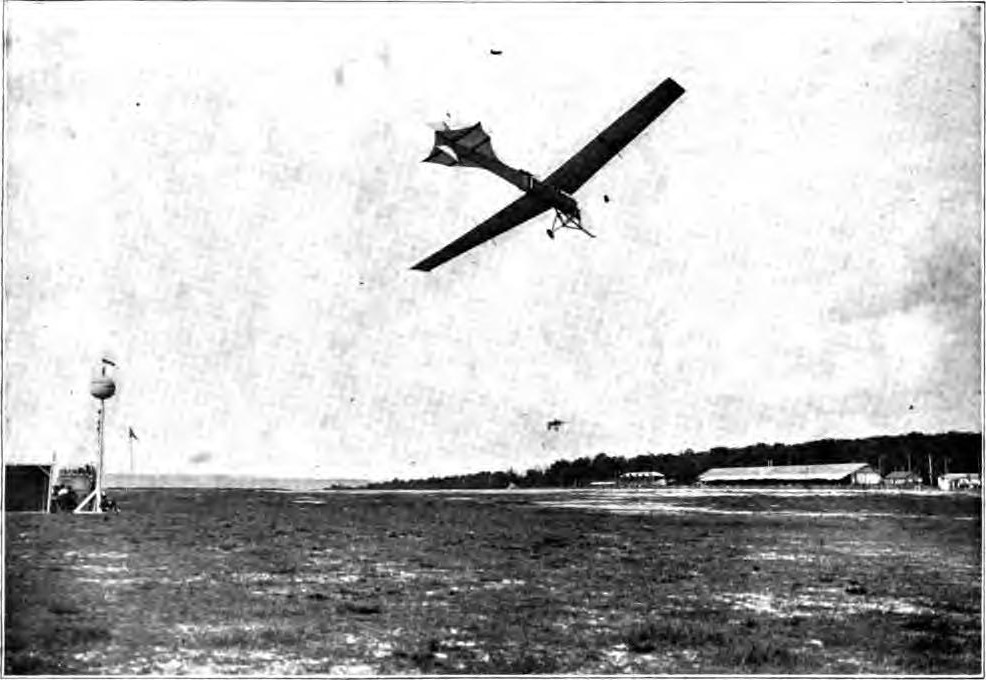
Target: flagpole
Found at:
131, 440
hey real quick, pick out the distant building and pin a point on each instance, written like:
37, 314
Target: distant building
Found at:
81, 480
602, 484
902, 478
959, 480
647, 478
859, 474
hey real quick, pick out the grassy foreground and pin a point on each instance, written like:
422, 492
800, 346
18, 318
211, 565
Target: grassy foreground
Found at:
218, 582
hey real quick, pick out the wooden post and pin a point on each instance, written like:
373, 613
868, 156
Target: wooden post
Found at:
931, 476
51, 479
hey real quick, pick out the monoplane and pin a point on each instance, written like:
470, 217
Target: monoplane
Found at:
471, 147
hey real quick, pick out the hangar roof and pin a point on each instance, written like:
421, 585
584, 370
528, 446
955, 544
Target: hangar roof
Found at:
784, 473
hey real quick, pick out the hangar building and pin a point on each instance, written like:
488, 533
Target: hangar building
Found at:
856, 474
27, 488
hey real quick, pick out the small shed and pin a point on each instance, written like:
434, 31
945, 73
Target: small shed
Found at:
959, 480
27, 487
902, 478
642, 478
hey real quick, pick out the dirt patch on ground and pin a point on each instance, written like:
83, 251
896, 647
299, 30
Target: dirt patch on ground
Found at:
233, 582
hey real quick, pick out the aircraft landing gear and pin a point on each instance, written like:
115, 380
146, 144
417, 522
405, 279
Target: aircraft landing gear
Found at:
565, 221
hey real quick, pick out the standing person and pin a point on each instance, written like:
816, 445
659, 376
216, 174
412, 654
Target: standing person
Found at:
70, 499
56, 495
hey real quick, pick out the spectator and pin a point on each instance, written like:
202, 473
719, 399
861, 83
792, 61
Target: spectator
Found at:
109, 505
69, 500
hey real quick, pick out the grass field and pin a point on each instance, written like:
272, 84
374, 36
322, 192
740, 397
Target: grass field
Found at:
675, 581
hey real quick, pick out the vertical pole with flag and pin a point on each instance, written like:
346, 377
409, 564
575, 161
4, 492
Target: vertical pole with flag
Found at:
132, 437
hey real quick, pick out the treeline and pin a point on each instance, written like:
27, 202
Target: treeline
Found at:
951, 452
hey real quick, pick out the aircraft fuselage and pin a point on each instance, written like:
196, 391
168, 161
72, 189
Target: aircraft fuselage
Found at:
526, 182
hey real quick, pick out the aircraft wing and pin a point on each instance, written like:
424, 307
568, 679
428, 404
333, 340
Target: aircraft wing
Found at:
577, 170
518, 212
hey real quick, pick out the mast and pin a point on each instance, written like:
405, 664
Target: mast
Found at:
102, 387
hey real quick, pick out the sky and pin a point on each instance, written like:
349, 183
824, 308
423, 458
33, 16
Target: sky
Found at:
225, 199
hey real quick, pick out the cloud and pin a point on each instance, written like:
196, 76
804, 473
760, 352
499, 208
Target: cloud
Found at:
946, 280
200, 458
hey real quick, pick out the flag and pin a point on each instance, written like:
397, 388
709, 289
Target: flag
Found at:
132, 435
